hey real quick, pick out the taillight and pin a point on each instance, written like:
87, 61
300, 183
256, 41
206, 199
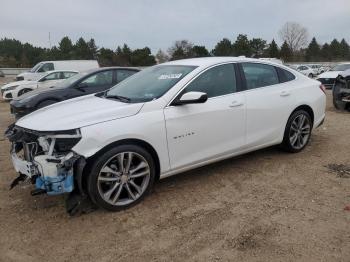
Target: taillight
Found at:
323, 88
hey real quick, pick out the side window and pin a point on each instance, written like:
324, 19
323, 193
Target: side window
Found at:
99, 79
46, 67
285, 76
259, 75
66, 75
53, 76
122, 74
217, 81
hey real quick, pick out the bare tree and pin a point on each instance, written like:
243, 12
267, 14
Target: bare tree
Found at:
295, 35
161, 57
181, 49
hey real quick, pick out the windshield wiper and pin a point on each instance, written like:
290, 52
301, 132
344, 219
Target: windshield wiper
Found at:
121, 98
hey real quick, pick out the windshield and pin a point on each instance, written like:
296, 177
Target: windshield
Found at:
150, 83
69, 81
33, 70
341, 67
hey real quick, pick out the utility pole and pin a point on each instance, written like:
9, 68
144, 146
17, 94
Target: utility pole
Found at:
50, 40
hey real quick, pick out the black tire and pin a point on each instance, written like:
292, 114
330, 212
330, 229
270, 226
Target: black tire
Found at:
338, 104
46, 103
287, 144
94, 187
311, 75
23, 91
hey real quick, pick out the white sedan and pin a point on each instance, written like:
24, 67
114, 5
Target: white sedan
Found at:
112, 146
307, 70
50, 79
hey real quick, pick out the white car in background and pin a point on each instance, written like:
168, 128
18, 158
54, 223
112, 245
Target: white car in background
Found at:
328, 78
41, 68
319, 69
112, 146
50, 79
306, 70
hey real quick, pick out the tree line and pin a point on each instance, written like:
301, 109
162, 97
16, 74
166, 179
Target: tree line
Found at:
294, 48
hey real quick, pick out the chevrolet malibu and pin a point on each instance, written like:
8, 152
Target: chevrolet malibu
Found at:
110, 147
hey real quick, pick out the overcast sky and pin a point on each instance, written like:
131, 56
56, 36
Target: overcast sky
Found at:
158, 23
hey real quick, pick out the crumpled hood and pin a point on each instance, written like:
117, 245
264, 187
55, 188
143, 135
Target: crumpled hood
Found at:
17, 83
329, 74
76, 113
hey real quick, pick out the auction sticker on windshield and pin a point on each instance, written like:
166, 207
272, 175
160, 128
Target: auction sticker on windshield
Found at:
170, 76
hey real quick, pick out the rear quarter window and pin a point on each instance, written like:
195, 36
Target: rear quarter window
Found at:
284, 75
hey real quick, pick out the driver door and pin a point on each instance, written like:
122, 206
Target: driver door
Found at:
199, 132
95, 83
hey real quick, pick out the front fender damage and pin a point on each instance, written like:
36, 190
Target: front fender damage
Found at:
46, 160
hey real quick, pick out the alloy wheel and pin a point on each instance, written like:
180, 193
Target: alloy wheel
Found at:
299, 131
123, 178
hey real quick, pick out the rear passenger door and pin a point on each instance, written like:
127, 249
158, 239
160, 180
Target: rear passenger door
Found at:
269, 103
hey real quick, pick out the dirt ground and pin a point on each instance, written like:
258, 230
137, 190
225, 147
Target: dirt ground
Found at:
263, 206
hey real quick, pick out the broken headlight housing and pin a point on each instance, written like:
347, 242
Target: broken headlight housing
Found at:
45, 157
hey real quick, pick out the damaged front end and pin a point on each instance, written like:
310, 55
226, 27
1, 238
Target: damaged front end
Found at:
341, 91
45, 158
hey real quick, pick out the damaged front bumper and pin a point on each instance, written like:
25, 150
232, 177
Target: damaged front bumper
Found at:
46, 159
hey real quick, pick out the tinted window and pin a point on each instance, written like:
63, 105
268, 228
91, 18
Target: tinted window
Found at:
122, 74
259, 75
150, 83
99, 79
285, 75
217, 81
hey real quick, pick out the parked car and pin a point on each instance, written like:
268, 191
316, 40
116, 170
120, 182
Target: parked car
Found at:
39, 69
165, 120
84, 83
328, 78
50, 79
319, 69
306, 70
341, 91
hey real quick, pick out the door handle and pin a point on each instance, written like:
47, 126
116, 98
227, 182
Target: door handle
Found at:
284, 93
236, 104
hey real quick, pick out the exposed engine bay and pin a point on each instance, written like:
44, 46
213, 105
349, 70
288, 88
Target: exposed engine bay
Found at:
46, 159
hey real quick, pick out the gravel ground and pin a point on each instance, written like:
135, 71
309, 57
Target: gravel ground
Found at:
263, 206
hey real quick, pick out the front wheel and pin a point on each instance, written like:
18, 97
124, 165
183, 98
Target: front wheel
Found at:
23, 91
298, 131
121, 177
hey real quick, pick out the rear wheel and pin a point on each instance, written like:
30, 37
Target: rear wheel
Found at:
298, 131
23, 91
121, 177
311, 75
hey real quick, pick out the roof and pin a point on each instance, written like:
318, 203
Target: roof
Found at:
208, 61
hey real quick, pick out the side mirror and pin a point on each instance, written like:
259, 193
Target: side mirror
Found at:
191, 98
